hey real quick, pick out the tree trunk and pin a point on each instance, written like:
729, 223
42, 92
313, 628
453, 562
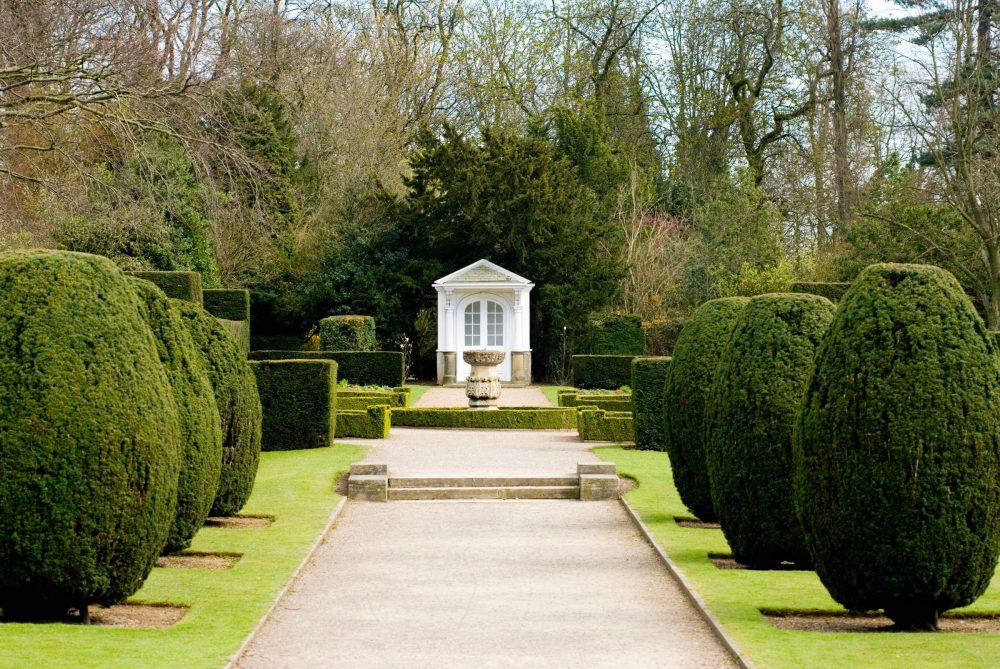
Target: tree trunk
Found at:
839, 84
993, 303
913, 616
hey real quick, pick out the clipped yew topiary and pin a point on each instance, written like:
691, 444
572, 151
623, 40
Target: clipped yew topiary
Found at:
897, 450
201, 434
689, 381
89, 436
238, 402
748, 425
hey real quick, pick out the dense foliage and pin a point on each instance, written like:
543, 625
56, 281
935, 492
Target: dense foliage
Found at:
177, 285
361, 368
602, 371
686, 392
613, 334
90, 447
347, 333
896, 449
200, 431
231, 305
748, 424
238, 403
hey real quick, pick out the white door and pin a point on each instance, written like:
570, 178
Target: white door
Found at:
484, 324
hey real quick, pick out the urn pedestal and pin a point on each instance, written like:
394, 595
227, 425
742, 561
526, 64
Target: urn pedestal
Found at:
482, 387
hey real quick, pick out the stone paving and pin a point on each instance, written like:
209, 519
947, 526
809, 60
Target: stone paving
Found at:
484, 583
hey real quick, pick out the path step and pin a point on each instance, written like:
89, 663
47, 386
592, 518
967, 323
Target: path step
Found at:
482, 481
372, 482
484, 492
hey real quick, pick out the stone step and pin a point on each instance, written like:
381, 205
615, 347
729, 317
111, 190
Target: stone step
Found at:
482, 481
485, 492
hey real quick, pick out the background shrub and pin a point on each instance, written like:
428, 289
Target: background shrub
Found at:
896, 448
595, 424
178, 285
362, 368
602, 371
347, 333
614, 334
299, 400
200, 431
689, 381
831, 290
370, 423
662, 337
649, 375
89, 436
236, 396
748, 424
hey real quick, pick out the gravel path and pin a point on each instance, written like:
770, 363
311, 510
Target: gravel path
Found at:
484, 584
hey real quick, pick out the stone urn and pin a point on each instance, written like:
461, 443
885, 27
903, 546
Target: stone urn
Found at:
483, 385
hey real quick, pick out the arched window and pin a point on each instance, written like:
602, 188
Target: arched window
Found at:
479, 333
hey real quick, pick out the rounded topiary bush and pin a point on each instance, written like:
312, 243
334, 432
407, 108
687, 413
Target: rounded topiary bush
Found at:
897, 450
748, 424
89, 436
238, 403
689, 381
201, 433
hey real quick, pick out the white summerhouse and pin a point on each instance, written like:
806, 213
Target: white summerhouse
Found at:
483, 306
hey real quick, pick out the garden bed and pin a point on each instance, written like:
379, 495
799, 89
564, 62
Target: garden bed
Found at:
849, 621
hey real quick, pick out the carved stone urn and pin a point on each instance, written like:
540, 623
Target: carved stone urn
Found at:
483, 385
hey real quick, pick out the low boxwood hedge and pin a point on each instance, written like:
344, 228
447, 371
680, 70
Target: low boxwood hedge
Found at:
506, 418
354, 400
347, 333
178, 285
831, 290
595, 424
370, 423
649, 375
230, 305
361, 368
608, 402
602, 371
299, 399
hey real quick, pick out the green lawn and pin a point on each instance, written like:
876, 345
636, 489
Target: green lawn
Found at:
416, 392
552, 391
296, 487
735, 596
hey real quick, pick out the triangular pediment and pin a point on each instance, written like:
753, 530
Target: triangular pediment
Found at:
482, 272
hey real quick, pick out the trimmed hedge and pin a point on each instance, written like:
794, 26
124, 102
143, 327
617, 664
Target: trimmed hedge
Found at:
347, 333
896, 449
614, 334
201, 434
89, 436
831, 290
595, 424
299, 400
236, 396
689, 381
371, 423
353, 400
239, 331
748, 425
662, 337
519, 418
602, 371
361, 368
178, 285
608, 402
230, 305
649, 375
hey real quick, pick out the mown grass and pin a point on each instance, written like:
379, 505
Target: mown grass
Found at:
736, 596
416, 392
551, 392
296, 487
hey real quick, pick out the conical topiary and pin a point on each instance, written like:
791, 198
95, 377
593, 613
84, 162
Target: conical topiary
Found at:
89, 436
201, 432
238, 403
689, 380
897, 451
751, 409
